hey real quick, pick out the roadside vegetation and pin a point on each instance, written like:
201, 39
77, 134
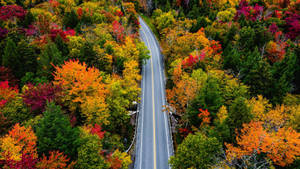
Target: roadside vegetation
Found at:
233, 81
69, 73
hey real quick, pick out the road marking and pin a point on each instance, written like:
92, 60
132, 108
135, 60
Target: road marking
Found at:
162, 94
153, 105
142, 123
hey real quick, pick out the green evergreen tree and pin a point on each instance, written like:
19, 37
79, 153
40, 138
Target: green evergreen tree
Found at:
255, 72
238, 114
19, 58
28, 20
50, 56
88, 55
62, 46
70, 19
196, 151
210, 98
54, 132
27, 58
232, 58
9, 57
283, 75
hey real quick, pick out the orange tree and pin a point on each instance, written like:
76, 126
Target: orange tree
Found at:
84, 90
282, 147
17, 142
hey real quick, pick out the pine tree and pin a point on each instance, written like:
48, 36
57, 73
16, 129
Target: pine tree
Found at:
50, 56
26, 58
238, 114
255, 72
62, 46
70, 19
283, 75
9, 56
210, 98
54, 132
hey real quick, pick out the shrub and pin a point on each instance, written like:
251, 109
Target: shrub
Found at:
37, 96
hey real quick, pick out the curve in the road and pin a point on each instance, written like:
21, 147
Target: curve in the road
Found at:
153, 144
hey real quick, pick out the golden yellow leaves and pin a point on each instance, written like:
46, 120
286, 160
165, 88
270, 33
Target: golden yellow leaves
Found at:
131, 77
128, 50
83, 89
18, 141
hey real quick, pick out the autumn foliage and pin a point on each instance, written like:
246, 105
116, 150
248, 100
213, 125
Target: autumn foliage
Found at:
18, 142
67, 65
11, 11
55, 160
7, 92
282, 146
84, 89
118, 31
37, 96
204, 115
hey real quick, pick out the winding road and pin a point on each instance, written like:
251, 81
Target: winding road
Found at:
153, 144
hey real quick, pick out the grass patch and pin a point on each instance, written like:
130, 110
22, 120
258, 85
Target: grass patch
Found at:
149, 22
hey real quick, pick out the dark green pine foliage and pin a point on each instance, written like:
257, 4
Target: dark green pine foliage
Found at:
210, 98
283, 75
255, 72
10, 54
50, 56
54, 132
26, 57
88, 55
297, 71
232, 58
62, 46
20, 58
246, 40
238, 114
70, 19
28, 20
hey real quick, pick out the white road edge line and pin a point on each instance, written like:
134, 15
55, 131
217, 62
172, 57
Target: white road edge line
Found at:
162, 93
143, 97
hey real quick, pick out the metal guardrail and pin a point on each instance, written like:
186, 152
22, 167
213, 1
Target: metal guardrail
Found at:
135, 133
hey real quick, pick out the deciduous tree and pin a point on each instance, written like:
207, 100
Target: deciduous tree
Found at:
196, 151
281, 146
18, 141
84, 89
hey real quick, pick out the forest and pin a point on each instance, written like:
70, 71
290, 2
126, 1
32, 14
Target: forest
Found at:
70, 73
233, 86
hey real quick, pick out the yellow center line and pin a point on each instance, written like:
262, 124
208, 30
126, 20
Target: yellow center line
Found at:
153, 108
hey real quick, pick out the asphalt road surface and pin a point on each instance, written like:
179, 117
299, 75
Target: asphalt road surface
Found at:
154, 144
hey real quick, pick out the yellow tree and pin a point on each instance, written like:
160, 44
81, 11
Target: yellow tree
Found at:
128, 50
84, 89
18, 141
131, 78
272, 118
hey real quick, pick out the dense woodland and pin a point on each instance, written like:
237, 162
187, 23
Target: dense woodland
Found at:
70, 72
233, 86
